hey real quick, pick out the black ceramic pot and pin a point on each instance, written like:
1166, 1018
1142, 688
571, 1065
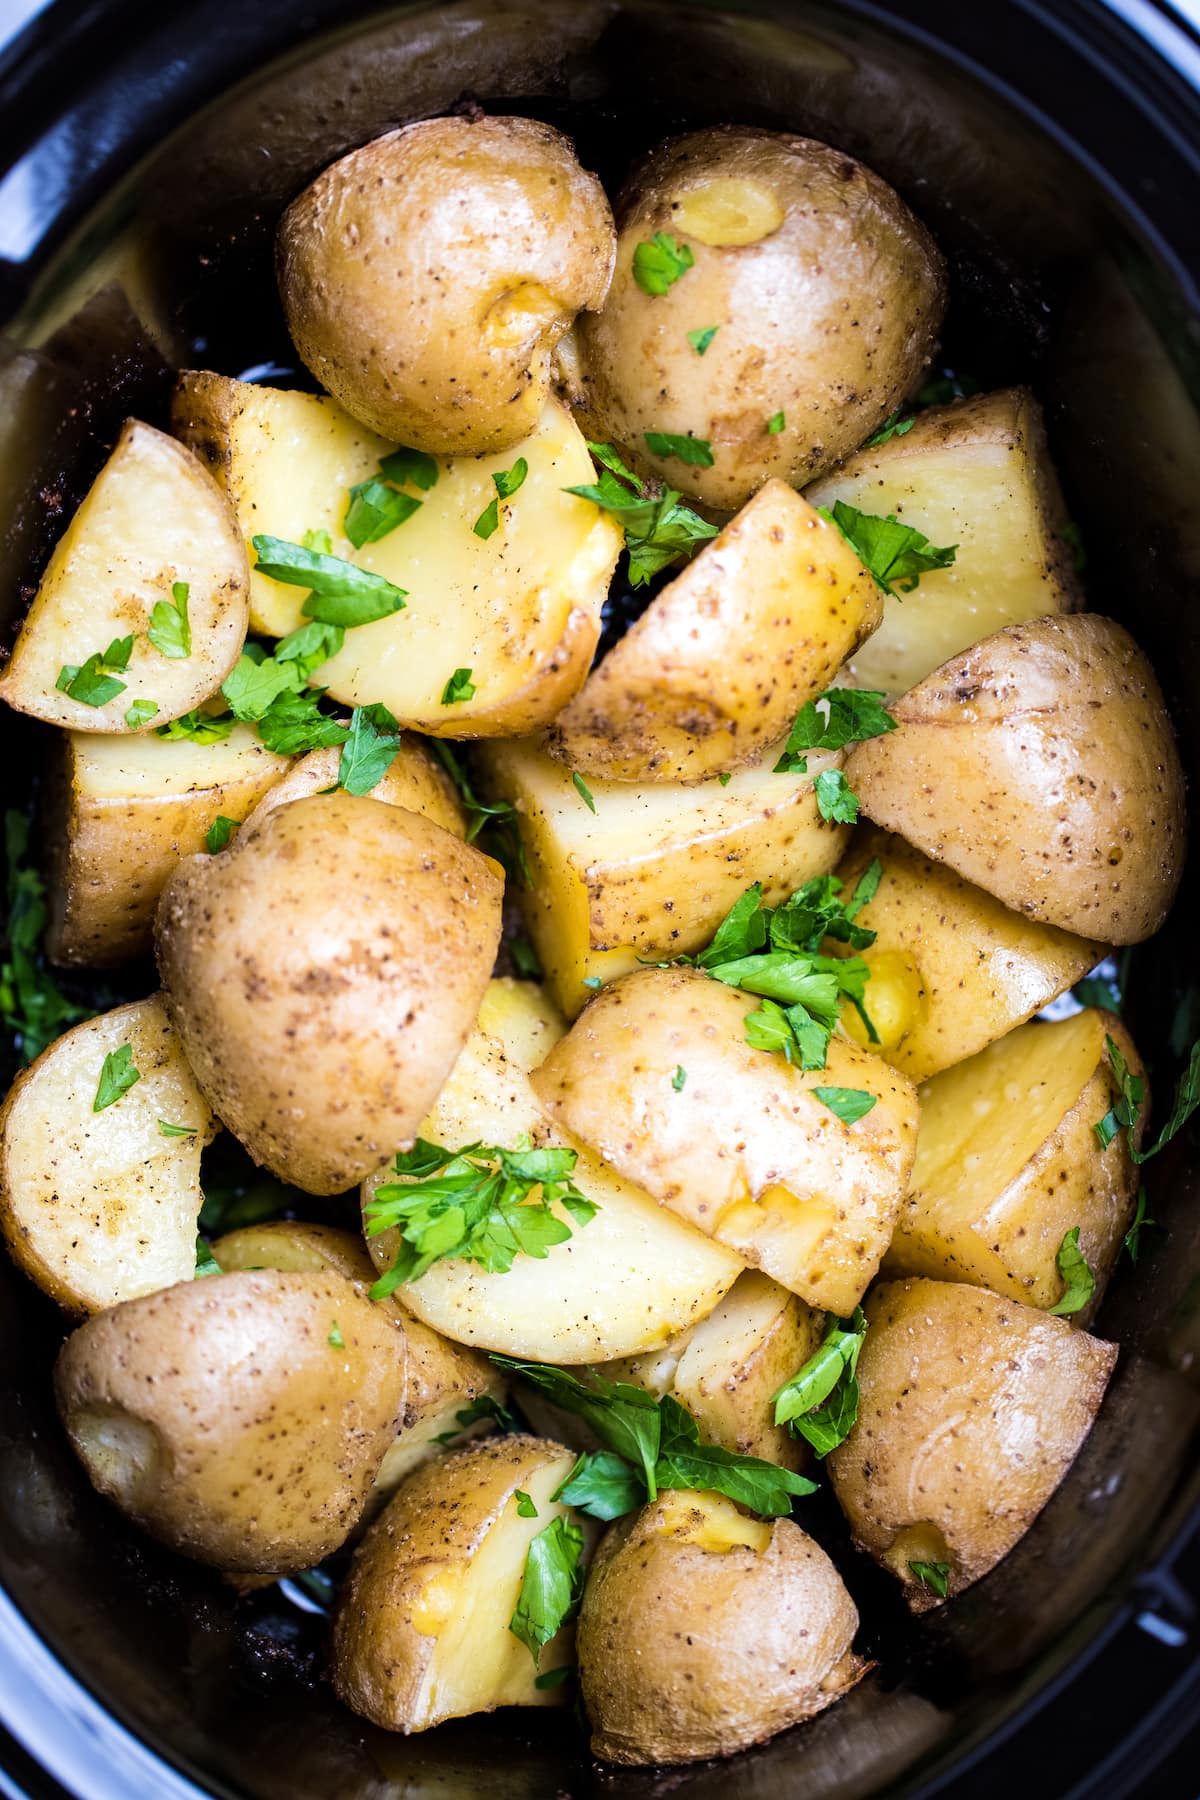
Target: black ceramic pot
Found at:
1055, 152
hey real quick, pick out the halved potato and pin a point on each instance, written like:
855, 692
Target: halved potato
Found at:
724, 657
971, 1410
655, 868
976, 474
631, 1278
124, 811
414, 780
1008, 1162
520, 609
421, 1632
951, 968
151, 519
743, 1149
99, 1207
1042, 766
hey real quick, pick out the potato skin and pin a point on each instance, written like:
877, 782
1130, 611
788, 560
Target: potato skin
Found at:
427, 276
687, 1652
972, 1408
413, 780
323, 974
1041, 765
244, 1438
828, 318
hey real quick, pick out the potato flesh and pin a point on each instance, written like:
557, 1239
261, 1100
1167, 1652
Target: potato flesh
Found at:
102, 1207
151, 518
1008, 1162
655, 869
977, 475
413, 780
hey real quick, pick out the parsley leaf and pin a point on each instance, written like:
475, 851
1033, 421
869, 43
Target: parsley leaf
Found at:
702, 338
340, 593
497, 818
1126, 1109
310, 645
525, 959
482, 1407
376, 509
776, 423
552, 1678
659, 262
206, 1262
169, 1130
583, 790
685, 1462
94, 683
198, 726
219, 833
658, 532
893, 426
603, 1485
459, 688
256, 681
933, 1575
836, 800
31, 1005
1079, 1280
848, 1104
369, 750
139, 713
551, 1586
170, 629
525, 1507
117, 1076
679, 1078
294, 723
1097, 990
838, 717
336, 1339
410, 468
1187, 1099
1139, 1223
506, 482
946, 387
891, 552
820, 1402
488, 520
694, 450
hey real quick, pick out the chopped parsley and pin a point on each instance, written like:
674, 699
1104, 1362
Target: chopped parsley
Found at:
170, 629
336, 1340
946, 387
836, 801
896, 556
506, 482
1079, 1281
498, 819
659, 262
1126, 1109
369, 750
583, 790
838, 717
935, 1576
525, 1507
139, 713
32, 1007
776, 423
340, 593
117, 1076
94, 682
219, 833
848, 1104
702, 338
658, 531
893, 426
459, 688
551, 1587
820, 1402
482, 1407
198, 726
679, 1078
694, 450
377, 505
1140, 1222
171, 1131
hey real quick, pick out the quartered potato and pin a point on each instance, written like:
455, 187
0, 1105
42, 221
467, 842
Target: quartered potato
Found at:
1008, 1162
1040, 765
723, 658
744, 1150
123, 813
976, 474
703, 1631
421, 1632
414, 780
655, 868
151, 521
630, 1279
519, 608
971, 1410
951, 968
240, 1418
101, 1206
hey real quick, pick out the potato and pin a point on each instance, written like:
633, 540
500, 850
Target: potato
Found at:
827, 295
724, 657
1008, 1162
123, 812
421, 1632
630, 1279
655, 868
323, 974
151, 519
1041, 766
241, 1419
98, 1207
520, 609
976, 474
744, 1150
971, 1410
703, 1631
951, 969
414, 780
427, 276
727, 1369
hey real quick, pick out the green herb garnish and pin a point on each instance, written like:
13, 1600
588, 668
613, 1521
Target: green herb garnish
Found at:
117, 1076
838, 717
340, 593
694, 450
94, 683
702, 338
139, 713
775, 424
583, 790
459, 688
933, 1575
551, 1586
170, 629
369, 750
895, 555
219, 833
1078, 1278
893, 426
820, 1402
482, 1407
659, 262
658, 531
32, 1007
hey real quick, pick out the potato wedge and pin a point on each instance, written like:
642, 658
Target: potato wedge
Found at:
703, 1631
727, 1369
744, 1150
99, 1207
414, 780
151, 519
520, 608
976, 474
951, 968
123, 813
630, 1279
971, 1410
655, 868
421, 1632
1041, 766
716, 668
1008, 1162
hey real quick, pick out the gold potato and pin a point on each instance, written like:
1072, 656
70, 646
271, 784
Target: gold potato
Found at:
827, 295
99, 1207
123, 813
743, 1150
719, 664
631, 1278
972, 1408
421, 1632
323, 973
519, 608
1040, 765
976, 474
414, 780
704, 1631
427, 276
1008, 1162
241, 1418
951, 968
151, 519
656, 867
